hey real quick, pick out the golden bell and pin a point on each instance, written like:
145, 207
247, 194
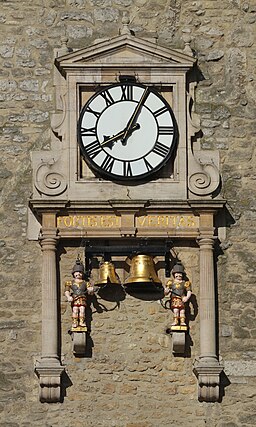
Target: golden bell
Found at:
142, 270
107, 274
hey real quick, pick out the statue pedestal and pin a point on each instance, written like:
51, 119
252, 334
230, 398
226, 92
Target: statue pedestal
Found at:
79, 340
178, 339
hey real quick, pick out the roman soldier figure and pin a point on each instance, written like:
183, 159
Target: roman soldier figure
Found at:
179, 290
76, 292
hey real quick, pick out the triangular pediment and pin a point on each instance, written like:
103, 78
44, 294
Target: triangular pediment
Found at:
123, 50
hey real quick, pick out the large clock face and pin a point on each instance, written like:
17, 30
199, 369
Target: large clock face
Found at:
127, 132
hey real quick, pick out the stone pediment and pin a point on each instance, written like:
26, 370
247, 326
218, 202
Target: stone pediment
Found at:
125, 50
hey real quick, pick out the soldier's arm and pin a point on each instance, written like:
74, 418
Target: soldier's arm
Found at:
90, 288
67, 291
167, 287
189, 293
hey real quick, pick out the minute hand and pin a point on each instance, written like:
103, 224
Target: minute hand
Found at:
134, 116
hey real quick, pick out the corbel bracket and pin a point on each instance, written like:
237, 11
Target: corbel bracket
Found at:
207, 371
50, 382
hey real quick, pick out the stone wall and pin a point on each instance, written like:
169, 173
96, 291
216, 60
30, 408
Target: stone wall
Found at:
132, 378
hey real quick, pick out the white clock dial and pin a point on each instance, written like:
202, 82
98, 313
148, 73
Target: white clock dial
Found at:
127, 132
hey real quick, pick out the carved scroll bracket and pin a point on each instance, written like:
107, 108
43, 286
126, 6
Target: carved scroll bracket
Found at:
48, 177
203, 179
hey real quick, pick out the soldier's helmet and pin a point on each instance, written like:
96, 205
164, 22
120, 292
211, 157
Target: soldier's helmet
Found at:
178, 268
78, 266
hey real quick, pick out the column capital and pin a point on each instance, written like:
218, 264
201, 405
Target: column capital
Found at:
48, 238
206, 241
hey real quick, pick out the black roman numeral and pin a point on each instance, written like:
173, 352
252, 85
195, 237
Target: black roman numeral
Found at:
127, 92
107, 97
148, 165
93, 149
165, 130
95, 113
127, 170
108, 163
160, 149
160, 111
88, 131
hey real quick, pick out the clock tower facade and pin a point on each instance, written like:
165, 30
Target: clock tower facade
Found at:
125, 165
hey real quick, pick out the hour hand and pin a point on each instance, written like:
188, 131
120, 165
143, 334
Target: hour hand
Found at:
109, 140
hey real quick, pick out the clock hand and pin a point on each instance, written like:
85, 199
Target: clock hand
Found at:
134, 115
119, 135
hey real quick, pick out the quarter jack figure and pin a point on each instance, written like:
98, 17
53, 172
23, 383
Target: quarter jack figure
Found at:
76, 292
180, 291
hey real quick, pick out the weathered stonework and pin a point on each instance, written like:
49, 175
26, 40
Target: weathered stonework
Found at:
132, 378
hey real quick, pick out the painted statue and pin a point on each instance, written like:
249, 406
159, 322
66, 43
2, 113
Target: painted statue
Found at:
179, 290
76, 292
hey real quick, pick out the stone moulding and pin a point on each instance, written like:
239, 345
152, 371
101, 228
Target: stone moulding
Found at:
207, 371
58, 118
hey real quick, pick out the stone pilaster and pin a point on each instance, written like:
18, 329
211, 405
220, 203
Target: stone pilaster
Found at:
207, 367
48, 368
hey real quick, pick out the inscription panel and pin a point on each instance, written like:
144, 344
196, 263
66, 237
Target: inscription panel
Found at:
114, 221
89, 221
167, 221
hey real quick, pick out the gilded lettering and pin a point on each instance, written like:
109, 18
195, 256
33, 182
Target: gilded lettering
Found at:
107, 221
181, 222
68, 221
191, 222
84, 221
141, 221
162, 220
76, 221
152, 221
59, 222
172, 221
111, 221
92, 221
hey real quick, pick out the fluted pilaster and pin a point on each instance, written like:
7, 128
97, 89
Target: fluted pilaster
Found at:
49, 297
207, 367
207, 299
48, 368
